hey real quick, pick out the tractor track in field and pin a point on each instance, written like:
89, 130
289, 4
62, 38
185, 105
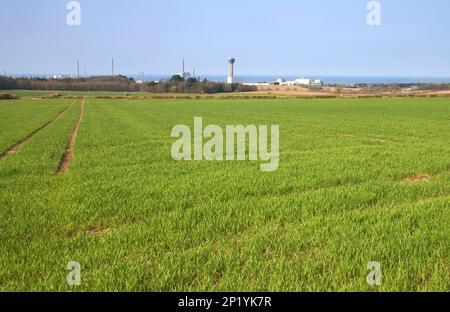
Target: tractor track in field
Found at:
13, 148
69, 153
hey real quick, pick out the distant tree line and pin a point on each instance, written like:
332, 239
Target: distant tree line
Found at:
434, 86
176, 84
107, 83
416, 86
392, 88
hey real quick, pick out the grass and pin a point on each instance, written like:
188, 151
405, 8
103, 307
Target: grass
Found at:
137, 220
16, 122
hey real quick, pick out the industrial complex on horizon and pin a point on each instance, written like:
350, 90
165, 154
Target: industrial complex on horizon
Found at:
231, 78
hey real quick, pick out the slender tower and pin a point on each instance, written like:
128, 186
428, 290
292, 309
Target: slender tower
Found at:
183, 72
112, 67
78, 69
231, 62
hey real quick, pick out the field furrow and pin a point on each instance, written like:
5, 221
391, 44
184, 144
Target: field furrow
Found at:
18, 118
69, 153
12, 149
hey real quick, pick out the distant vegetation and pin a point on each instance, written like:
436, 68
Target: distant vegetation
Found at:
393, 88
176, 84
118, 83
7, 96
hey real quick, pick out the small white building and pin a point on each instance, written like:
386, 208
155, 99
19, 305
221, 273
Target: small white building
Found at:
185, 75
61, 77
300, 82
235, 79
256, 84
303, 81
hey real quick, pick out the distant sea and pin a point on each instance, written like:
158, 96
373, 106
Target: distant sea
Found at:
272, 78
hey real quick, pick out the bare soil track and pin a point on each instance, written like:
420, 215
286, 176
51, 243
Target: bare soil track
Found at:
69, 153
12, 149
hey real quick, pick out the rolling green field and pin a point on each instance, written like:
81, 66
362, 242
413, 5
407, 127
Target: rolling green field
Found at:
358, 181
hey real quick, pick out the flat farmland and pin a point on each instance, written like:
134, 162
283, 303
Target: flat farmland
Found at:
358, 181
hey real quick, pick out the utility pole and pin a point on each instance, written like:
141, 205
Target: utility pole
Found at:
78, 68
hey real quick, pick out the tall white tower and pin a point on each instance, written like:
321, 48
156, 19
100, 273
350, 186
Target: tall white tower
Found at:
230, 70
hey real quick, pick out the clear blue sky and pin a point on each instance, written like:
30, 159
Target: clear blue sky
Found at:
322, 37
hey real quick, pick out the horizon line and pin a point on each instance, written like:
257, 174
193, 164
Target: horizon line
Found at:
224, 75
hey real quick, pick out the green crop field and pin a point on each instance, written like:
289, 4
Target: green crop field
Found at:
358, 181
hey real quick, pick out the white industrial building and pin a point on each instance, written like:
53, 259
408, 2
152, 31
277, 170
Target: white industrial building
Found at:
300, 82
303, 81
185, 75
61, 77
